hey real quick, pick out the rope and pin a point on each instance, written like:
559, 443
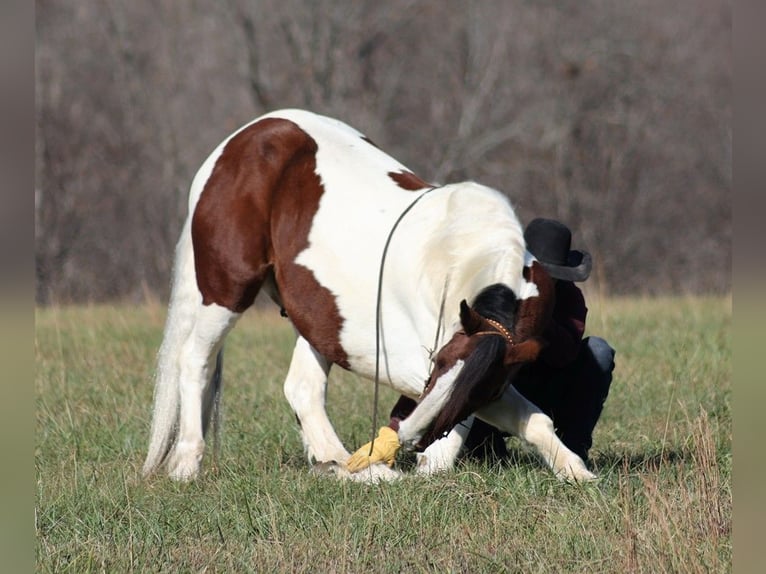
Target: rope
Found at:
440, 319
377, 313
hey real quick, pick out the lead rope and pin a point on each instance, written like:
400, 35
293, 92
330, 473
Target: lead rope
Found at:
439, 320
377, 314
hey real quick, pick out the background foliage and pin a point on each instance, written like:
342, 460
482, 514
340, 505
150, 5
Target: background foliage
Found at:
613, 116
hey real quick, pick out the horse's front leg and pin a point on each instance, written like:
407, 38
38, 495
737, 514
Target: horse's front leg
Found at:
515, 414
305, 389
441, 454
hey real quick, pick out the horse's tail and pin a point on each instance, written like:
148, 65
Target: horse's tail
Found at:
184, 301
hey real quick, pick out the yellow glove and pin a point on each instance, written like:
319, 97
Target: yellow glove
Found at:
384, 450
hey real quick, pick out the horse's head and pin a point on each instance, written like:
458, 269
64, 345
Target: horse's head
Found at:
498, 334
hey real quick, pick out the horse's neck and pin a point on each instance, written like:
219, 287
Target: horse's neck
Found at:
444, 286
463, 238
460, 239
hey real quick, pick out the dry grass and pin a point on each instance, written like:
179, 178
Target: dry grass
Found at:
663, 450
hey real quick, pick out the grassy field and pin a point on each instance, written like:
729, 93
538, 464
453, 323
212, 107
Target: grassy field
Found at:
662, 449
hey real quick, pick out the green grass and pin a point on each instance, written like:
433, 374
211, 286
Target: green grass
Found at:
662, 449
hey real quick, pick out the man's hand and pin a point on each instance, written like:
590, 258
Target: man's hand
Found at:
384, 450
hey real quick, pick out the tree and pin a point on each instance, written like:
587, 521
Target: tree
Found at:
613, 117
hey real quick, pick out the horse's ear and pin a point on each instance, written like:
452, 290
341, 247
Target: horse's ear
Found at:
525, 352
469, 318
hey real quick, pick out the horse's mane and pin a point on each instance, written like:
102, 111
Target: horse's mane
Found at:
497, 302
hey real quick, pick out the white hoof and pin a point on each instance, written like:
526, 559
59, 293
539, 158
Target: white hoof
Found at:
428, 464
185, 462
373, 474
575, 471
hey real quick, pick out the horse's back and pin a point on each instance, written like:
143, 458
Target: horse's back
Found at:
285, 162
309, 202
304, 200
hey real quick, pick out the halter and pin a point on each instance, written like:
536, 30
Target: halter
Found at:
501, 331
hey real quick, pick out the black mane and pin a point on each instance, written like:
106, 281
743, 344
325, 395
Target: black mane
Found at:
497, 302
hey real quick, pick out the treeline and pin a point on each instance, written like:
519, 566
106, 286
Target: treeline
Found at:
612, 116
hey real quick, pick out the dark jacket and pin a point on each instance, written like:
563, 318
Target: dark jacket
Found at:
565, 331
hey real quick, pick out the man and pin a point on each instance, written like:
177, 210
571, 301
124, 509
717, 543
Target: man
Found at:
570, 379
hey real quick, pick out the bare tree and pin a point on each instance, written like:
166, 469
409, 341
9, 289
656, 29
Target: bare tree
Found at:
613, 117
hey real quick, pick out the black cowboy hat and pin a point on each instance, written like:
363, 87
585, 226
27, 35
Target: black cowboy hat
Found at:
550, 242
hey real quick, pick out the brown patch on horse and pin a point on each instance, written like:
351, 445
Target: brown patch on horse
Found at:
253, 218
534, 313
526, 352
408, 180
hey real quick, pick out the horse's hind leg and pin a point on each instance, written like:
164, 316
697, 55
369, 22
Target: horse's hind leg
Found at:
305, 389
196, 369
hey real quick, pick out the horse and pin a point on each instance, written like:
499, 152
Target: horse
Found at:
425, 288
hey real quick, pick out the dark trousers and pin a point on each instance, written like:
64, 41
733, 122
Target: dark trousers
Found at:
572, 396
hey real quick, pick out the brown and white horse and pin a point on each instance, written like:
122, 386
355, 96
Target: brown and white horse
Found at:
302, 206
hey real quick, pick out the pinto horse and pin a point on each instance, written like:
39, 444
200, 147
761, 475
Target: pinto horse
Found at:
303, 206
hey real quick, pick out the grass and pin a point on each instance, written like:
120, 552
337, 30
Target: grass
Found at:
662, 449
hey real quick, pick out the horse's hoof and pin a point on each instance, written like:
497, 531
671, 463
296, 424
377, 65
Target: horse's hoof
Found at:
325, 468
577, 474
185, 462
184, 471
373, 474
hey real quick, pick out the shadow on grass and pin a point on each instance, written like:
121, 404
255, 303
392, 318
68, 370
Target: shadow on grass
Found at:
518, 455
600, 462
